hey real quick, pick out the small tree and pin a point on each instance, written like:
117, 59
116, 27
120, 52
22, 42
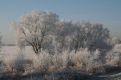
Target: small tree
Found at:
34, 28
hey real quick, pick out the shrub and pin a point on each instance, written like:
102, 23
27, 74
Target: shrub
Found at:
114, 56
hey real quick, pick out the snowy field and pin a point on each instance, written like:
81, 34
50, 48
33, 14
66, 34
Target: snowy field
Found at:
11, 52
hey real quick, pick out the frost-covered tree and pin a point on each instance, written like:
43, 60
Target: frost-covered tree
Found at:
91, 36
34, 28
64, 34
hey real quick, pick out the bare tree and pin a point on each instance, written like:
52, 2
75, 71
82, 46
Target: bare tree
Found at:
34, 28
90, 36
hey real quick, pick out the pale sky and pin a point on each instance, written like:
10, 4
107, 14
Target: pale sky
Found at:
106, 12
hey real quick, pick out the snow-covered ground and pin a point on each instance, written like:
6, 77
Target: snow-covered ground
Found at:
10, 53
13, 50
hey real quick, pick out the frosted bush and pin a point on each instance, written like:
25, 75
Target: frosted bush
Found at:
27, 61
114, 40
8, 61
44, 60
86, 60
81, 60
114, 56
117, 48
65, 58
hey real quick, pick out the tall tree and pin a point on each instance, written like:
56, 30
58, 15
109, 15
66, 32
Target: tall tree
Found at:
34, 28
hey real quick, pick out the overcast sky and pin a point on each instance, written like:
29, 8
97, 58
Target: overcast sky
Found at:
106, 12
